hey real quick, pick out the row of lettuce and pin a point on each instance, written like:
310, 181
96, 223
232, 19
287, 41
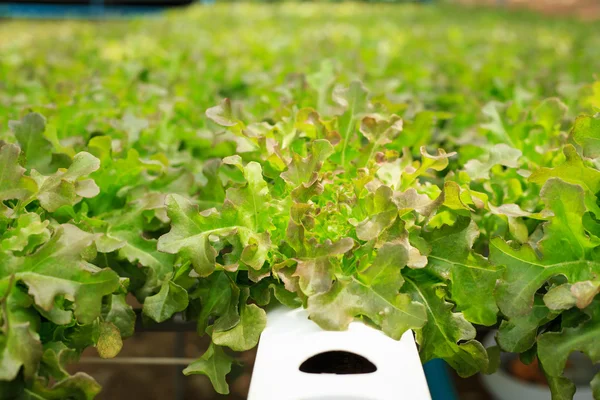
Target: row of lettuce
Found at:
459, 191
337, 215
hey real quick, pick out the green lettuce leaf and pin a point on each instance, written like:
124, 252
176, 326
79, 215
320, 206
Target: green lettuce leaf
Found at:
20, 346
586, 133
447, 335
29, 132
13, 183
245, 334
554, 348
215, 364
526, 271
473, 277
171, 299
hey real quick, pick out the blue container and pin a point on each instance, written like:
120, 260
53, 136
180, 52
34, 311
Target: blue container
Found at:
92, 9
439, 380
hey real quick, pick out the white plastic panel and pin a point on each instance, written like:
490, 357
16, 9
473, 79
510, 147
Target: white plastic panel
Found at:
290, 338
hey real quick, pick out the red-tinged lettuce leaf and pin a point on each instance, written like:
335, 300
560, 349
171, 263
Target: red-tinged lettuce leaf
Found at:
347, 299
443, 210
222, 114
379, 131
301, 172
59, 268
379, 212
585, 292
375, 294
560, 298
447, 334
215, 364
79, 386
410, 200
567, 295
315, 266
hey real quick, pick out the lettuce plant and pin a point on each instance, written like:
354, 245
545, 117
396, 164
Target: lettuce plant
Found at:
470, 202
325, 214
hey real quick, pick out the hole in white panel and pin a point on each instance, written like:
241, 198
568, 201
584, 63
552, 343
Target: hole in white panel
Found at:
337, 362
